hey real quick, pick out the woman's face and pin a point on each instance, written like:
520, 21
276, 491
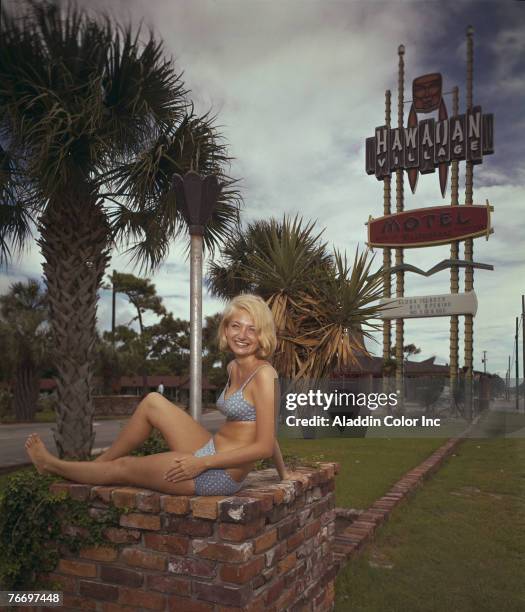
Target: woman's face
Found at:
241, 334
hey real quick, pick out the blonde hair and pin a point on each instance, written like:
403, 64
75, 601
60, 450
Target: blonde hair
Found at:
262, 316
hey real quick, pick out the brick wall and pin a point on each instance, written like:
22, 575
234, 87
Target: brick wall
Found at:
268, 549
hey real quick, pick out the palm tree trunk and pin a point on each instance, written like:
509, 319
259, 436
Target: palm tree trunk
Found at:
25, 390
74, 243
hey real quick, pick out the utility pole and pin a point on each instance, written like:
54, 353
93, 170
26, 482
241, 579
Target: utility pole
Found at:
508, 380
517, 367
523, 342
484, 362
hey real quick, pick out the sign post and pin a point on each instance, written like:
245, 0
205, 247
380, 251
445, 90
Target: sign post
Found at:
422, 147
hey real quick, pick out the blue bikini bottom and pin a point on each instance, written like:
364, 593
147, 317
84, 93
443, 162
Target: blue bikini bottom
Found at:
214, 482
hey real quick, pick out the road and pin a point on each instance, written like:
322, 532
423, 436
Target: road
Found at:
12, 437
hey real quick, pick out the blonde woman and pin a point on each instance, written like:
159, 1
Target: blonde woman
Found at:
198, 463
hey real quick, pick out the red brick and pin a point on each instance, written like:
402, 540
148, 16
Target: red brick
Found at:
97, 590
99, 553
311, 529
59, 488
265, 541
80, 492
241, 573
125, 497
206, 507
265, 498
101, 493
169, 584
77, 568
192, 567
148, 501
222, 594
142, 599
142, 558
295, 540
239, 533
287, 564
115, 607
56, 582
141, 521
119, 575
287, 527
121, 536
239, 509
181, 604
78, 603
175, 504
175, 544
221, 551
274, 591
195, 528
275, 554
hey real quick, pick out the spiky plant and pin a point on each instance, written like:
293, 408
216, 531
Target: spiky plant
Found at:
94, 121
320, 304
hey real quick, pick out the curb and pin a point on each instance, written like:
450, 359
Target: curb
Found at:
351, 540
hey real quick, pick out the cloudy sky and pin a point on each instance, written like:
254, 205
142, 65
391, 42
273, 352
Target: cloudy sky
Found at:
299, 84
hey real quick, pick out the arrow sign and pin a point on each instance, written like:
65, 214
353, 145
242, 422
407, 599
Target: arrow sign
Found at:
423, 306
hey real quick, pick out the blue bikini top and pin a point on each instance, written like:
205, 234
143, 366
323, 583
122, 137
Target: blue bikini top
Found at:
235, 407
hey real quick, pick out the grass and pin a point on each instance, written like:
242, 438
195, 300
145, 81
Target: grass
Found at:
457, 545
369, 466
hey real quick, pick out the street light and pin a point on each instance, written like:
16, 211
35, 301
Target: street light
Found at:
196, 197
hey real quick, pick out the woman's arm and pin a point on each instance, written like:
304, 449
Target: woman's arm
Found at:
278, 461
263, 447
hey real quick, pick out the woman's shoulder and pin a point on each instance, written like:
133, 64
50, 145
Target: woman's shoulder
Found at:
265, 371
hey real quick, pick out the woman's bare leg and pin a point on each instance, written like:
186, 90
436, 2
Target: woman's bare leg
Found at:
145, 472
181, 432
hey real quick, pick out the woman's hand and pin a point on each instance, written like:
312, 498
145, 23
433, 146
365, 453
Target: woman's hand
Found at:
185, 467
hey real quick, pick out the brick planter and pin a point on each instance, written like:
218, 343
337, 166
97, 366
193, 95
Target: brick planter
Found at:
268, 548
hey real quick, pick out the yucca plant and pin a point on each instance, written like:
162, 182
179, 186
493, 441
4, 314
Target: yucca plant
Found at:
321, 305
94, 122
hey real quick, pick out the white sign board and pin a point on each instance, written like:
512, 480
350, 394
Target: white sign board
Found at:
443, 305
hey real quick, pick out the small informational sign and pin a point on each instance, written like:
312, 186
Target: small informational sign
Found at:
429, 226
423, 306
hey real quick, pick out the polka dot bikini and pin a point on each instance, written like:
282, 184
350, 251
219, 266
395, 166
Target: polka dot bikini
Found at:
236, 408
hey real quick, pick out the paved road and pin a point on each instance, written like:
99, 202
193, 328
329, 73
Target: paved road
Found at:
12, 437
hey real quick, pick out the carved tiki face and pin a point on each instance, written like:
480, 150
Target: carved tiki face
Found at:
426, 92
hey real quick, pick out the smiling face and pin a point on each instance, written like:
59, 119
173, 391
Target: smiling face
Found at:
241, 334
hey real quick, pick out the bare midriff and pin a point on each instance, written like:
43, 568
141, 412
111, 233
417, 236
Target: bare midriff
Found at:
233, 435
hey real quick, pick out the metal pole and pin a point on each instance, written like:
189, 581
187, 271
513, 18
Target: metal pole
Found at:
113, 310
454, 270
523, 343
484, 362
469, 243
196, 326
400, 277
387, 257
508, 381
517, 367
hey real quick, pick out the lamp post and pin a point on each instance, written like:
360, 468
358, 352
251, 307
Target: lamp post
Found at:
196, 198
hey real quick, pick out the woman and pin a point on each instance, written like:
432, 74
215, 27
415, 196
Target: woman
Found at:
198, 463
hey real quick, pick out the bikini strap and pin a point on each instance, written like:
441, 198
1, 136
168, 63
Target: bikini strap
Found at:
253, 374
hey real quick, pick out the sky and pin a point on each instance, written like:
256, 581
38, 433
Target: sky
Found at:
298, 85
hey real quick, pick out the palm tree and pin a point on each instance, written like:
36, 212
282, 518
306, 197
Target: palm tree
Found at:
24, 335
93, 124
322, 306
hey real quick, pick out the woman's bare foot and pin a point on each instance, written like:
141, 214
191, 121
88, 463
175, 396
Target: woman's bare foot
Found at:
38, 453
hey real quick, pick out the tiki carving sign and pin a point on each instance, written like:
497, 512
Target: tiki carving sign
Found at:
430, 143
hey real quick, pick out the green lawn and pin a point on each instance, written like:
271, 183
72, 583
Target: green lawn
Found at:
457, 545
369, 466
